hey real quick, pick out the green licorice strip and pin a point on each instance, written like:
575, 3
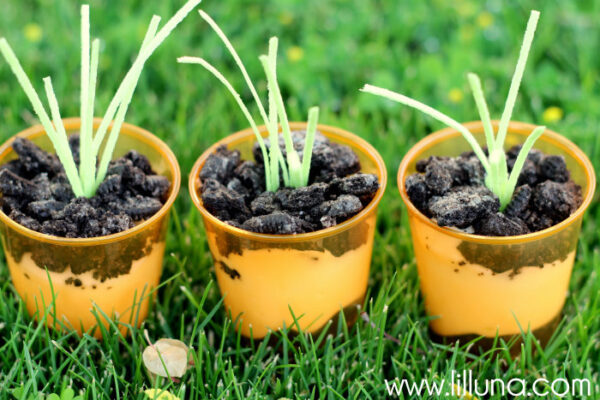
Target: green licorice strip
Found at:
88, 160
271, 75
274, 156
279, 155
482, 107
517, 77
125, 100
282, 164
494, 179
114, 136
125, 92
61, 145
238, 99
274, 152
497, 178
520, 161
293, 161
502, 172
272, 125
269, 120
378, 91
140, 60
237, 60
151, 32
63, 151
309, 141
85, 135
116, 100
118, 104
284, 169
273, 113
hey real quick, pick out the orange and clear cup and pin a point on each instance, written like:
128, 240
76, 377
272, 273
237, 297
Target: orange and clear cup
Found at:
271, 281
77, 282
477, 286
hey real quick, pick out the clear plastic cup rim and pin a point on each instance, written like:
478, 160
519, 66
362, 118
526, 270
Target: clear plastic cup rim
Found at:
520, 128
139, 134
340, 136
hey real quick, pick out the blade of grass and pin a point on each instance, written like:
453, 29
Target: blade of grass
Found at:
378, 91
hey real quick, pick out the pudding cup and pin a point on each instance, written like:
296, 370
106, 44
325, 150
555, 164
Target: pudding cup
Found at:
273, 281
80, 281
481, 286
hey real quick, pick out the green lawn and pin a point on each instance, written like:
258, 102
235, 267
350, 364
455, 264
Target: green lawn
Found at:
328, 49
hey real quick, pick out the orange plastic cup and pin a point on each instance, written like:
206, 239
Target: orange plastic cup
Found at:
486, 286
269, 280
110, 276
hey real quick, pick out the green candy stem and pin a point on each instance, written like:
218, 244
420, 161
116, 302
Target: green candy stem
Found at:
295, 173
497, 178
84, 179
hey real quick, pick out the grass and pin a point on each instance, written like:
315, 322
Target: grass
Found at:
330, 50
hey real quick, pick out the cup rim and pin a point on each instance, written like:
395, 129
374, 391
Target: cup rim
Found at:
340, 135
515, 127
136, 132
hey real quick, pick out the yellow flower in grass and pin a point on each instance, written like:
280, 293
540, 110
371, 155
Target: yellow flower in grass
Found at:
485, 19
455, 95
295, 53
465, 8
552, 114
286, 18
105, 61
33, 32
159, 394
465, 395
466, 32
